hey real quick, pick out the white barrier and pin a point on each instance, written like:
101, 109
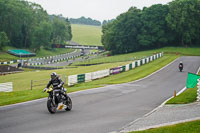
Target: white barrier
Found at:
127, 67
138, 63
143, 61
154, 57
100, 74
147, 60
88, 77
151, 58
72, 79
133, 65
6, 87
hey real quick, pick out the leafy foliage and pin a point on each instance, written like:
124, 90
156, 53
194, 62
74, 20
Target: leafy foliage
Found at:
184, 18
83, 20
3, 40
27, 25
174, 24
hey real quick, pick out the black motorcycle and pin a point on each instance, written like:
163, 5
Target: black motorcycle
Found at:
180, 67
57, 100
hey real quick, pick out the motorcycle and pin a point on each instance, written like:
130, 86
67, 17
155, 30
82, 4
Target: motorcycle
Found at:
57, 100
180, 67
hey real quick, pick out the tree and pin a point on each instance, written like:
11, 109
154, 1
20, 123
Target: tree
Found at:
59, 34
83, 20
19, 19
184, 18
3, 40
154, 29
42, 36
69, 29
120, 35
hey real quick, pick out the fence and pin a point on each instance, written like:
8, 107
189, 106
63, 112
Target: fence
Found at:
74, 79
6, 87
43, 82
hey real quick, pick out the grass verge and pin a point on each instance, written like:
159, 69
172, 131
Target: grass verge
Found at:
138, 55
188, 96
86, 34
187, 127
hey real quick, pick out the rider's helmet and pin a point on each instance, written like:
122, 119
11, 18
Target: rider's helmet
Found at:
53, 76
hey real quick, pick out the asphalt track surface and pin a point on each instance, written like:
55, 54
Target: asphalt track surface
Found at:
100, 110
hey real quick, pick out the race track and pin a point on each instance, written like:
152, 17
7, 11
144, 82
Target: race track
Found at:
100, 110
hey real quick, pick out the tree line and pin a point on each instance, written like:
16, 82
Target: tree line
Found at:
174, 24
86, 21
27, 25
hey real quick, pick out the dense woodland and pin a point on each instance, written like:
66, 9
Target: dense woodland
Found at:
83, 20
27, 25
174, 24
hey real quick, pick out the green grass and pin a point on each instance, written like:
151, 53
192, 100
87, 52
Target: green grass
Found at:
142, 54
56, 51
4, 56
188, 96
86, 34
182, 51
187, 127
22, 81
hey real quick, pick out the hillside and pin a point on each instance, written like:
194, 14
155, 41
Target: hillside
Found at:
86, 35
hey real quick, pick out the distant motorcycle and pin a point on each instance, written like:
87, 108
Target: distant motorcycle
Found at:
181, 67
57, 101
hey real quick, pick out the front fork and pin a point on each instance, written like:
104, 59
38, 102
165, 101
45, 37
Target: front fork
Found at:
54, 95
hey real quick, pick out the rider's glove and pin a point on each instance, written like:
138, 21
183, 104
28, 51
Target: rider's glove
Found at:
45, 89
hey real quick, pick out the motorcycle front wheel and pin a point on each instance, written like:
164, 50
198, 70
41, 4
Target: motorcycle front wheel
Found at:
69, 104
51, 107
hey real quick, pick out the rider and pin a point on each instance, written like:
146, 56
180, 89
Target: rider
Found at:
181, 65
57, 83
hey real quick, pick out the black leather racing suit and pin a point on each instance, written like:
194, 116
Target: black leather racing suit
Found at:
57, 84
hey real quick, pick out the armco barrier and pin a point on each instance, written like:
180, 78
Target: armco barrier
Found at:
74, 79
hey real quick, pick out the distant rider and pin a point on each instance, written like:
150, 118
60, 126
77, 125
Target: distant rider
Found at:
57, 83
181, 66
